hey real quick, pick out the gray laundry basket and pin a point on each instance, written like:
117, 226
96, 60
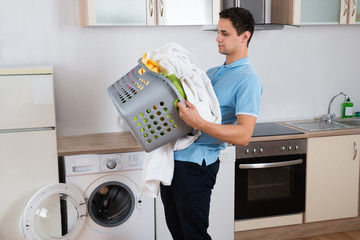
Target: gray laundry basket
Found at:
146, 103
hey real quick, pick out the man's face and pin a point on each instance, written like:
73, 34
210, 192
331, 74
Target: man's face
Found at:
228, 41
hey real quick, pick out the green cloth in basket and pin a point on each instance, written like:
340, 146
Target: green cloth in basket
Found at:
176, 81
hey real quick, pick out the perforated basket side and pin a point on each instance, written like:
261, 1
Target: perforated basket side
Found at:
129, 85
133, 83
146, 103
157, 125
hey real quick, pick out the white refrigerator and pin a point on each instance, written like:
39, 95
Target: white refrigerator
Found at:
28, 151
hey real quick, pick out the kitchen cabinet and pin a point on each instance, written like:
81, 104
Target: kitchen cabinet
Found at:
332, 181
148, 12
315, 12
114, 12
357, 12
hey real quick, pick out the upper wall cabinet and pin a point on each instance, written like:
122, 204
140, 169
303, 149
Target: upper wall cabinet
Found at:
115, 12
148, 12
315, 12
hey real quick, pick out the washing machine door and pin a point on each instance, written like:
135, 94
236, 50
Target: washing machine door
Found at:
57, 211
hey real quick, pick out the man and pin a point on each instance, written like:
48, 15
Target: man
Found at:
238, 89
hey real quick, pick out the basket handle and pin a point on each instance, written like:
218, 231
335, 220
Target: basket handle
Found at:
165, 79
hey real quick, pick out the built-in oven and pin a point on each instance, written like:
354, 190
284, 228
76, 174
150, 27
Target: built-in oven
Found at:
270, 178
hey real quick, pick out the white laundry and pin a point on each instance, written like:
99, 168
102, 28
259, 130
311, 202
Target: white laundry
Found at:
172, 58
156, 170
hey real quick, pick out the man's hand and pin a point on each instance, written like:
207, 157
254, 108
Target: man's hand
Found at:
190, 115
239, 134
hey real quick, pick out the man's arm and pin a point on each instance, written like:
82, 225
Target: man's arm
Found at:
238, 134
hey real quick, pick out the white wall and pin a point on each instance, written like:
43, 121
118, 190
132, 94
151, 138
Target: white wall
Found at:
301, 68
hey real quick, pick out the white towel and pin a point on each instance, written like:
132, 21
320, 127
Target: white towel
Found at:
158, 167
173, 58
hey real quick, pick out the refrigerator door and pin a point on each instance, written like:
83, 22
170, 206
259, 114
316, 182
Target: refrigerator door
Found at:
26, 101
28, 162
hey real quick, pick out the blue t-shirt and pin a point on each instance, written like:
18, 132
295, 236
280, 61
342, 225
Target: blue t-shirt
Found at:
238, 89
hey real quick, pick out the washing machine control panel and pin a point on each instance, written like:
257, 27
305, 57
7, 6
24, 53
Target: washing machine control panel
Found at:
121, 161
111, 163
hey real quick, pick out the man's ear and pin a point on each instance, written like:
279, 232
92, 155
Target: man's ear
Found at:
246, 36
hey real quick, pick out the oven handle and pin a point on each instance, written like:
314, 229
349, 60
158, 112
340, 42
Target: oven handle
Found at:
270, 165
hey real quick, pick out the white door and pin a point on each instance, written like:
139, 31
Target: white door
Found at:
57, 211
185, 12
332, 178
28, 162
26, 101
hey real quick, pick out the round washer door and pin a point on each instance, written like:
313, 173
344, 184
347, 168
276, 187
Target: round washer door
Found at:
113, 203
57, 211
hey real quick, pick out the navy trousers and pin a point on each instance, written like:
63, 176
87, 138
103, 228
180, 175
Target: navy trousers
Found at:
187, 200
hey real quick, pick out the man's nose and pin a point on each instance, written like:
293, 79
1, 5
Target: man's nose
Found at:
218, 38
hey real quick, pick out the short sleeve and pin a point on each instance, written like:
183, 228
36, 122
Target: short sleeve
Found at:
247, 97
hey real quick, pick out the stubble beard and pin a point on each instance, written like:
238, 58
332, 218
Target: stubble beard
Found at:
222, 51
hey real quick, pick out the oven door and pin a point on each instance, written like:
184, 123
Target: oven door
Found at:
269, 186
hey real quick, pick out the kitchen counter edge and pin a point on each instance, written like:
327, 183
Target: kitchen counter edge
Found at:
97, 143
125, 142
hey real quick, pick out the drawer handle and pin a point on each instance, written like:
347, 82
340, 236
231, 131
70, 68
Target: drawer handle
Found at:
355, 150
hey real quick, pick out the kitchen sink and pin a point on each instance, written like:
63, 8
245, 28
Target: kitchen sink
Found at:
318, 125
350, 122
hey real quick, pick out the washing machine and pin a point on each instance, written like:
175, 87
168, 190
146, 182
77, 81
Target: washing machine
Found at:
98, 199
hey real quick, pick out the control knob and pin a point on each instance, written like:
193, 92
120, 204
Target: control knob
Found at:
111, 164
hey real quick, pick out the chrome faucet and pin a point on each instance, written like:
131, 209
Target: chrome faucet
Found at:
330, 116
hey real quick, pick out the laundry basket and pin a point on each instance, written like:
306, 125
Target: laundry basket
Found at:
146, 102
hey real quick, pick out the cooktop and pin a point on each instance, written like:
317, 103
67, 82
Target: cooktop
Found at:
273, 129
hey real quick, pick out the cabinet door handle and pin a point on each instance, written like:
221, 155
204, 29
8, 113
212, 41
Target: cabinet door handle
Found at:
161, 8
355, 151
354, 8
346, 7
151, 7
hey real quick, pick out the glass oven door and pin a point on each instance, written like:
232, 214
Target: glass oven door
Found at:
269, 186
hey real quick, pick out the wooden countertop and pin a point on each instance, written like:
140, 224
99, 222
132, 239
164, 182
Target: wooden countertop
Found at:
97, 143
125, 142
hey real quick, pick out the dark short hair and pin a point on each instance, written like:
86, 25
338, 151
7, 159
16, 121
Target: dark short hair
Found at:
241, 19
